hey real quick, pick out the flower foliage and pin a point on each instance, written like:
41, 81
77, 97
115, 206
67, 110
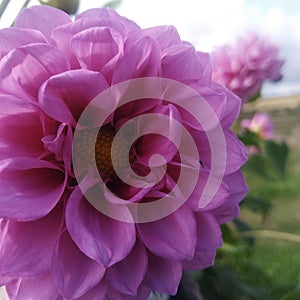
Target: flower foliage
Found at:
53, 243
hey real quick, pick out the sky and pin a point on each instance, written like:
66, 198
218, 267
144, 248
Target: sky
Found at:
211, 23
208, 24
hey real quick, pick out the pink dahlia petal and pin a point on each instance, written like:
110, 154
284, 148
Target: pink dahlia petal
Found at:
62, 35
163, 275
4, 278
183, 63
127, 275
141, 59
236, 153
133, 109
11, 38
99, 292
217, 195
30, 244
42, 18
30, 188
20, 129
212, 102
18, 79
233, 106
166, 36
96, 47
37, 287
123, 191
109, 18
207, 226
64, 96
142, 293
238, 188
173, 237
105, 240
73, 272
151, 144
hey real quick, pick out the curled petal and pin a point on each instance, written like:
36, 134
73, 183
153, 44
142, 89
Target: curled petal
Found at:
64, 96
30, 188
96, 47
141, 58
20, 129
162, 144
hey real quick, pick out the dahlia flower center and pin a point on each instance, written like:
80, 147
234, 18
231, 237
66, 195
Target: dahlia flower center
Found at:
103, 151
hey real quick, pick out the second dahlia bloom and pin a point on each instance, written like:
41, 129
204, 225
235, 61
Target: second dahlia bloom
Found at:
245, 65
54, 243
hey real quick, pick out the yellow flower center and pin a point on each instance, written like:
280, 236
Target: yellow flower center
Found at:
103, 151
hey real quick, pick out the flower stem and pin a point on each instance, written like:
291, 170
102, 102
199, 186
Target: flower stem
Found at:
276, 235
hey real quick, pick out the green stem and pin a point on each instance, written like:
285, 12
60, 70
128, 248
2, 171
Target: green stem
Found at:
276, 235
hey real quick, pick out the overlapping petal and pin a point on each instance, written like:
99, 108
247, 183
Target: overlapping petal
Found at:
42, 18
174, 235
30, 244
103, 239
24, 82
74, 273
30, 188
37, 287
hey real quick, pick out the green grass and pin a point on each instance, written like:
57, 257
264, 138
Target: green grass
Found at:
277, 256
281, 263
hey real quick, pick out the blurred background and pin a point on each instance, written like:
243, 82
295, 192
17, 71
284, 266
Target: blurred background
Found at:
260, 258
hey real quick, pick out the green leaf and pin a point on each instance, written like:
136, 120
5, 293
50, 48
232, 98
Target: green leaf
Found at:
276, 156
250, 138
258, 165
257, 204
292, 295
255, 97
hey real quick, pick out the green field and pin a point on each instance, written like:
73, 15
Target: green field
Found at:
277, 247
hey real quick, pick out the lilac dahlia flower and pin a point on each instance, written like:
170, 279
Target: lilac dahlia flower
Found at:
53, 243
245, 65
261, 124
